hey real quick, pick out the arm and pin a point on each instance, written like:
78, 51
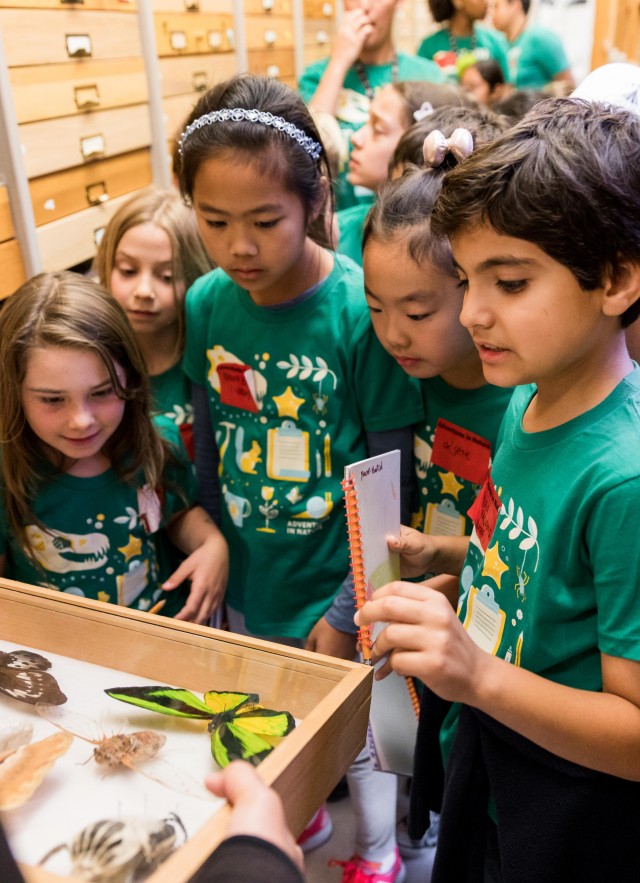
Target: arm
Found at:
335, 634
427, 640
352, 33
207, 564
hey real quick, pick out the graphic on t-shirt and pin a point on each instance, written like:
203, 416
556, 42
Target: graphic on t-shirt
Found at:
516, 528
304, 368
484, 620
444, 519
132, 583
288, 453
353, 107
65, 552
222, 441
422, 453
247, 460
238, 385
288, 404
317, 507
180, 415
239, 507
269, 509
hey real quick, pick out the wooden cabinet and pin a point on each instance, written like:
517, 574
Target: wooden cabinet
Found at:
11, 269
616, 32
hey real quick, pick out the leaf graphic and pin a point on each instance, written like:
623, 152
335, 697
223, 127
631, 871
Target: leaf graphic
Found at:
520, 517
294, 361
502, 511
527, 543
292, 373
320, 374
283, 365
533, 528
322, 362
504, 524
305, 373
514, 532
306, 361
510, 510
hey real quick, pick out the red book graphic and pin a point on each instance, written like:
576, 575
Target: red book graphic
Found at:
237, 387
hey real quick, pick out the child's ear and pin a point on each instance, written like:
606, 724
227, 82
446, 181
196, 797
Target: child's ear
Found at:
322, 199
621, 289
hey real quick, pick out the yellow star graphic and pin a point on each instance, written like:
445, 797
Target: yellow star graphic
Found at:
450, 484
494, 566
133, 548
288, 404
103, 596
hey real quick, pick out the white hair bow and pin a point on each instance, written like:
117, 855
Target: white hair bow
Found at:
436, 146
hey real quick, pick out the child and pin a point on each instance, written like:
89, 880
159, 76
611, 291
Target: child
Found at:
483, 80
545, 655
87, 482
415, 300
280, 346
149, 255
393, 109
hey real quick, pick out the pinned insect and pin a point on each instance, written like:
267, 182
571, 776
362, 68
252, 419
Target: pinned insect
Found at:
137, 750
120, 850
24, 676
24, 770
240, 728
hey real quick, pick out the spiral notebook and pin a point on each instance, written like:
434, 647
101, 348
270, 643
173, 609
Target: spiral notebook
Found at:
372, 501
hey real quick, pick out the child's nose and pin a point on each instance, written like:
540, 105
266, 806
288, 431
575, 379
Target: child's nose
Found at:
144, 287
242, 244
81, 416
357, 137
475, 310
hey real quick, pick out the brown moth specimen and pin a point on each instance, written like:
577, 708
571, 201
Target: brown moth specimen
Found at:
24, 676
24, 770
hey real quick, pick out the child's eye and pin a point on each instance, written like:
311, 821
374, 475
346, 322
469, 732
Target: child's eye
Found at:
512, 286
126, 271
215, 225
102, 393
50, 400
267, 225
463, 284
167, 278
374, 309
418, 317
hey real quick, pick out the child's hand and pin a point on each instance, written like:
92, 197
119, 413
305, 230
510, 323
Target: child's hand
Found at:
208, 570
424, 638
424, 553
354, 29
323, 638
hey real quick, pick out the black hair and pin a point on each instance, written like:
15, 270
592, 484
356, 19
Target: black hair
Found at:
518, 103
490, 71
275, 152
567, 179
441, 10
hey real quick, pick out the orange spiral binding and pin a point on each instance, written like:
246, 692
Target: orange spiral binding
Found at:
413, 694
357, 559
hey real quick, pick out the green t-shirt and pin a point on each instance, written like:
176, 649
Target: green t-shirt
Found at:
172, 399
485, 43
103, 538
453, 448
547, 588
292, 391
351, 224
353, 105
535, 58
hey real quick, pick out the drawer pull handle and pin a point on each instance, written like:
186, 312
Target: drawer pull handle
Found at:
178, 40
327, 10
98, 233
267, 5
270, 37
231, 38
97, 193
86, 97
72, 2
199, 81
192, 5
215, 39
79, 45
273, 71
92, 147
322, 38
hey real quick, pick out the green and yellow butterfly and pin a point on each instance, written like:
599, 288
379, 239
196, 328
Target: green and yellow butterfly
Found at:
237, 723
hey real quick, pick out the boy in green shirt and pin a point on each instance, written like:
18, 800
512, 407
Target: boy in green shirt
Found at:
544, 658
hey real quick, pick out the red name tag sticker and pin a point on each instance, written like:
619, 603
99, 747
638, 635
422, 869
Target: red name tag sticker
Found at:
464, 453
484, 512
237, 387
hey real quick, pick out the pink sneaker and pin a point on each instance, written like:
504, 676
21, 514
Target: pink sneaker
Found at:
317, 832
358, 870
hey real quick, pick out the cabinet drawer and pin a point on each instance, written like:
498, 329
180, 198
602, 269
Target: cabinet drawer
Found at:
115, 5
176, 110
319, 32
74, 239
44, 92
277, 63
192, 6
314, 53
268, 7
265, 32
6, 224
188, 34
55, 196
191, 74
319, 8
12, 272
70, 141
46, 36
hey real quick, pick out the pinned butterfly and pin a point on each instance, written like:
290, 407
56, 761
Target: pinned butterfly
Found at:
240, 728
24, 676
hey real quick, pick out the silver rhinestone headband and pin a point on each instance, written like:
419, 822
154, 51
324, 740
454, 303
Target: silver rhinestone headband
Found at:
237, 114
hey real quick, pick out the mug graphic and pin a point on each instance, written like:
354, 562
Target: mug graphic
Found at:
239, 507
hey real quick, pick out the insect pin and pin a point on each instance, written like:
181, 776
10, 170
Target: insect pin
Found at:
24, 676
239, 728
121, 850
136, 750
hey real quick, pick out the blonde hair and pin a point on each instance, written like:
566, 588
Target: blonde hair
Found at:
68, 310
165, 209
